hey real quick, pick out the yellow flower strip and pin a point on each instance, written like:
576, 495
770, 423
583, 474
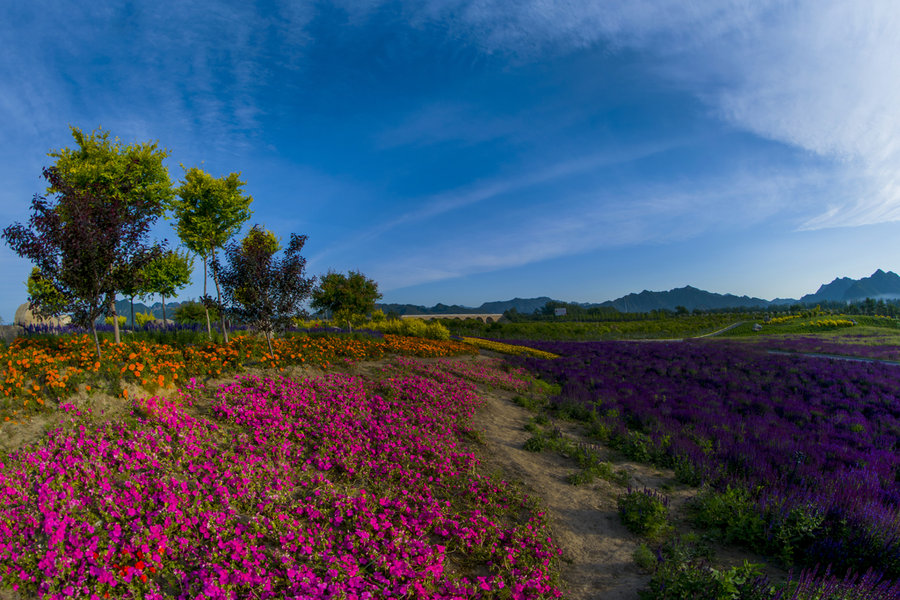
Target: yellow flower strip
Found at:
508, 348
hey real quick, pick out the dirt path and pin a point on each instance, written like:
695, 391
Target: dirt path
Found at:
597, 549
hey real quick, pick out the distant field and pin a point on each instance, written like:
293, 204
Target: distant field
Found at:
662, 328
847, 328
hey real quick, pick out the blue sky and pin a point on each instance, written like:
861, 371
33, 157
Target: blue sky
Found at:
462, 151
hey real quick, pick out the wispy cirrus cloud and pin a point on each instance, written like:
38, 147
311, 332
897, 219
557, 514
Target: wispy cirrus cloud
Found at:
641, 214
486, 191
816, 74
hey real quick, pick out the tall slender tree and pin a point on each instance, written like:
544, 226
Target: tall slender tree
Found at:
166, 275
209, 212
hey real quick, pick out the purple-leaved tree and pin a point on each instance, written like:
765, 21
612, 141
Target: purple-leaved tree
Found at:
260, 289
87, 245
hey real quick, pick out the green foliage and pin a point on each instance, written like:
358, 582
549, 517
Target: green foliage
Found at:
573, 411
685, 548
731, 515
675, 580
167, 274
735, 517
90, 241
532, 403
260, 241
209, 210
144, 318
351, 294
686, 471
794, 530
122, 320
644, 557
411, 327
628, 327
127, 173
536, 443
593, 468
43, 292
644, 512
193, 312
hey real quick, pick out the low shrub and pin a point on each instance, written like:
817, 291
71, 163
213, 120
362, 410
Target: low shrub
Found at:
696, 580
122, 320
412, 327
645, 512
144, 318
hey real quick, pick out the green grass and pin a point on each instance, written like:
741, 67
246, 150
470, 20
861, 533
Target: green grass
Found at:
653, 328
868, 330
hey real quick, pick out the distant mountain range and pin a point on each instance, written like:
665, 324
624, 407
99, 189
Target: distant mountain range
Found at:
880, 285
123, 308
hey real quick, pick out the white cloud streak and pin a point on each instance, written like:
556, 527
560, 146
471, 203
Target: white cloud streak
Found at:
816, 74
640, 215
486, 191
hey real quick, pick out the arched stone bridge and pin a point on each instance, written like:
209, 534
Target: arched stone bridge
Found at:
484, 317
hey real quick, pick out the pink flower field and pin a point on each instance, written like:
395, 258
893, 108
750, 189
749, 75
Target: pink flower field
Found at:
334, 487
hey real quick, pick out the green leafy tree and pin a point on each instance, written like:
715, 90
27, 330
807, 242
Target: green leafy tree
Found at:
42, 292
262, 290
166, 275
192, 312
84, 244
131, 288
209, 212
116, 172
346, 296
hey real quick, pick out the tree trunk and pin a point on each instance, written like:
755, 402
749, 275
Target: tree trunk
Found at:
132, 313
269, 342
115, 318
219, 302
165, 322
96, 340
206, 308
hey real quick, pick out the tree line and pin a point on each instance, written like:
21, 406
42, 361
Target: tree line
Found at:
579, 313
88, 239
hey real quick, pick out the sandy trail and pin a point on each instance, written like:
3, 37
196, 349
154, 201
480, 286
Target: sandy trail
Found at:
597, 549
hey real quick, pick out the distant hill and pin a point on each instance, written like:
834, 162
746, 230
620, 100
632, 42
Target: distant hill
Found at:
123, 308
688, 297
523, 305
879, 285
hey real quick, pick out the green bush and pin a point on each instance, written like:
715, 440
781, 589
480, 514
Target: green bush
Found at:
121, 319
144, 318
645, 512
536, 443
696, 580
644, 557
411, 327
731, 514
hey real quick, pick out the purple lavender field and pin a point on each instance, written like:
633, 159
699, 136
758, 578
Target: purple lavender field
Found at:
800, 454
